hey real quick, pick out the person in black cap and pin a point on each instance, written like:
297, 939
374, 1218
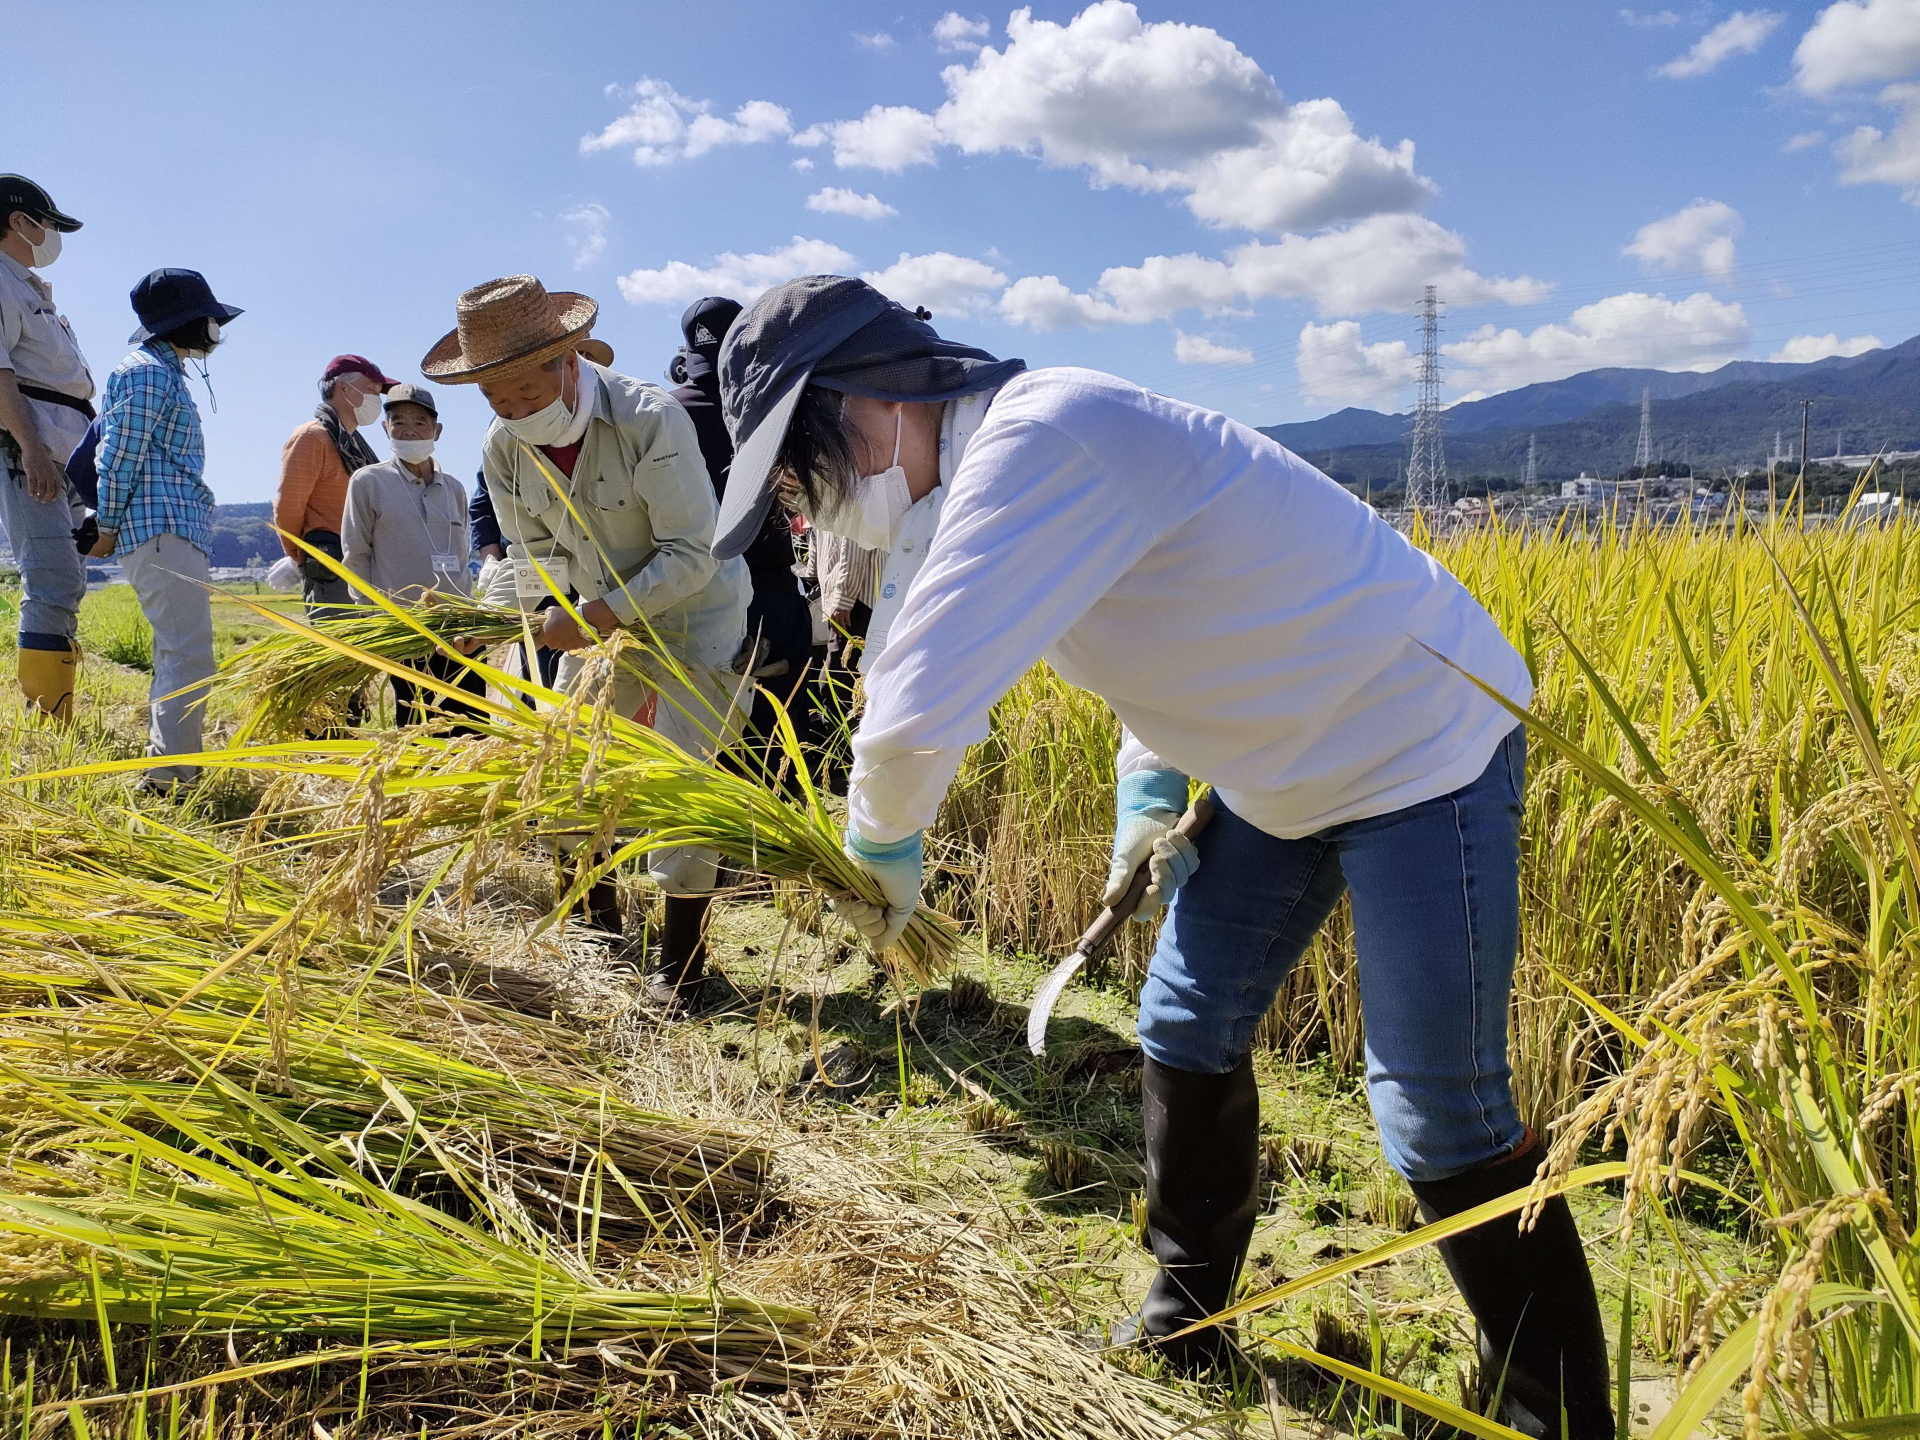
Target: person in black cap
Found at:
156, 512
779, 621
46, 394
1254, 627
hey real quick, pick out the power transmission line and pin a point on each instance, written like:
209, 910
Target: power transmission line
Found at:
1427, 468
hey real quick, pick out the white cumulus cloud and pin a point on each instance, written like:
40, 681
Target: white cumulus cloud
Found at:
1198, 350
878, 40
1334, 364
1741, 33
1805, 140
1696, 237
1652, 17
1858, 42
835, 201
1867, 42
887, 137
946, 284
1697, 333
588, 223
1802, 349
740, 276
1871, 156
1173, 107
1046, 302
661, 125
954, 31
1163, 107
1381, 263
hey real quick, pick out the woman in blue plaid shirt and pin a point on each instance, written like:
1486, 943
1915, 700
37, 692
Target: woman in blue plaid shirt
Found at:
156, 512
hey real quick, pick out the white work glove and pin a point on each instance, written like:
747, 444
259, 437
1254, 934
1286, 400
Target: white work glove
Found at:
1149, 803
896, 869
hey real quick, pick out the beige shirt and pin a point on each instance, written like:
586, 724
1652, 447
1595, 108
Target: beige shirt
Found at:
633, 524
404, 535
38, 345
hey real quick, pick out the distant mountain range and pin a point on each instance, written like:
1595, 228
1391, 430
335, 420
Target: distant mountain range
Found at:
1725, 419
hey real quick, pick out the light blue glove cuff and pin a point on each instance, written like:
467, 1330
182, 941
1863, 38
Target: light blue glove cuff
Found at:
907, 849
1148, 790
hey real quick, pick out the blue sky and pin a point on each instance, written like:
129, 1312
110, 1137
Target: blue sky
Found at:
1233, 203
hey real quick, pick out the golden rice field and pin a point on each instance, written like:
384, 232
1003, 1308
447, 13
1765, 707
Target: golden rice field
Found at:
312, 1107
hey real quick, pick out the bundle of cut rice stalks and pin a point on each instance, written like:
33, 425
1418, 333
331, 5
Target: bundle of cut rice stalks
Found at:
152, 964
563, 770
258, 1225
121, 996
293, 683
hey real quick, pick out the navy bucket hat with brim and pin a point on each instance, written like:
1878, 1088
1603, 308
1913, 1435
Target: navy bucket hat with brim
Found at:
840, 333
168, 299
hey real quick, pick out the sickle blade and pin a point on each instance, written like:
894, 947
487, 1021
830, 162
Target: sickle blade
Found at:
1047, 996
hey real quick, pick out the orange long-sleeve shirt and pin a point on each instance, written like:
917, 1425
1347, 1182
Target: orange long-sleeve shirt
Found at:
313, 486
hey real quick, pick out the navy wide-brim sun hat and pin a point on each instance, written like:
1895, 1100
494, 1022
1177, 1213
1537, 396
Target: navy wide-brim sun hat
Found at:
837, 332
168, 299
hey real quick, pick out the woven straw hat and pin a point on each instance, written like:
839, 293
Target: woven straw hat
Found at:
508, 325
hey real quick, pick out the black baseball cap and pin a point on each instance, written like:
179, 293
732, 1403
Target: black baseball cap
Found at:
706, 322
839, 333
19, 193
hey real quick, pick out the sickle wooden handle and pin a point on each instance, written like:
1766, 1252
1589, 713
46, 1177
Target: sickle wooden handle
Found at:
1100, 934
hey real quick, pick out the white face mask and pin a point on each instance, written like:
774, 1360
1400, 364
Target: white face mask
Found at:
556, 424
870, 516
367, 412
543, 427
413, 451
195, 352
48, 250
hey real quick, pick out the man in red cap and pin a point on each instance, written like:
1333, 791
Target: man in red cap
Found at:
314, 466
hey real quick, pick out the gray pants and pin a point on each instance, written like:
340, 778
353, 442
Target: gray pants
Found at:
169, 574
53, 578
327, 599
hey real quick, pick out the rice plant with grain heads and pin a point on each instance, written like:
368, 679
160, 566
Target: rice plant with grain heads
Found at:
264, 1075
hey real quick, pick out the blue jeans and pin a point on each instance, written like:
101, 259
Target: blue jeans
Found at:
1436, 913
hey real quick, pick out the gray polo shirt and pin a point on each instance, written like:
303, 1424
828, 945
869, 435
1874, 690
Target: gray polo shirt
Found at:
404, 535
38, 345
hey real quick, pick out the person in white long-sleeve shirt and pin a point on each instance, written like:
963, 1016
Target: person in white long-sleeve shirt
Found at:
1256, 628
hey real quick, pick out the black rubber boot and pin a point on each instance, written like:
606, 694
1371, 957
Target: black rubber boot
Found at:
1541, 1343
1203, 1175
601, 909
676, 983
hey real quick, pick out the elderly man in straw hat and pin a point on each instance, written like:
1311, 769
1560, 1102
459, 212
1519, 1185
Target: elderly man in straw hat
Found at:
598, 477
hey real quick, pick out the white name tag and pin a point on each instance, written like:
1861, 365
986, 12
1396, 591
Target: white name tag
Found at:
528, 585
445, 562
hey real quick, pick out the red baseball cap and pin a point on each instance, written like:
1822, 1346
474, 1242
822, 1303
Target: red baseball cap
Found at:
357, 365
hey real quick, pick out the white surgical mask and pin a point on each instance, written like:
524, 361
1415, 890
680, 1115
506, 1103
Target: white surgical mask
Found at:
367, 412
556, 424
48, 250
413, 451
870, 516
213, 332
543, 427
